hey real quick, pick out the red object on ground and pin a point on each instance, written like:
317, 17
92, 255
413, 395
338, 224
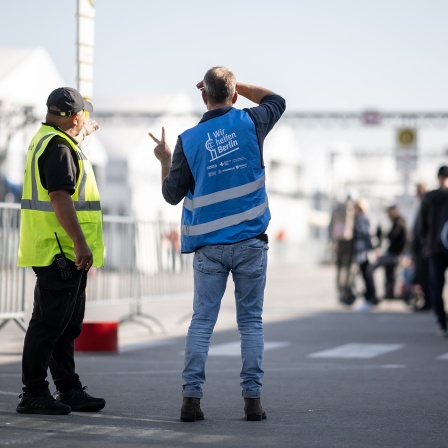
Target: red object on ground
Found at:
98, 337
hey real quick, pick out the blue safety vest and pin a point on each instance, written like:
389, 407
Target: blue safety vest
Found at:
229, 203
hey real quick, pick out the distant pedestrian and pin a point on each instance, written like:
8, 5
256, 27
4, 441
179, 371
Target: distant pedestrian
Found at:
434, 233
341, 231
217, 169
397, 239
362, 246
420, 280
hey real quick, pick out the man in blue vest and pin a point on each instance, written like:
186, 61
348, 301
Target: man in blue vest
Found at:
217, 169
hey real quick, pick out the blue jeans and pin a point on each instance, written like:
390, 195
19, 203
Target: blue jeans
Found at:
247, 261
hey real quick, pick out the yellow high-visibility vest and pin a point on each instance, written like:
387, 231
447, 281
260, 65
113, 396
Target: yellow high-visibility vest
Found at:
38, 224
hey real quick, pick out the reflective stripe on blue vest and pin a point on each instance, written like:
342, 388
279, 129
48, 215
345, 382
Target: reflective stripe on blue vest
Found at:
224, 195
227, 221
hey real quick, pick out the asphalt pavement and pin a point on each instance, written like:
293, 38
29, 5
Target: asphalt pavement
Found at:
333, 378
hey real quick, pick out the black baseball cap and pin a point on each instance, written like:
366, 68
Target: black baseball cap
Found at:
443, 171
68, 101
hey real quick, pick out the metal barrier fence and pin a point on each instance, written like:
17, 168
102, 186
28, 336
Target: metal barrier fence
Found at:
142, 262
12, 278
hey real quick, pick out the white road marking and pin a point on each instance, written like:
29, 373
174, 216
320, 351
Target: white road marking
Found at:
393, 366
443, 357
14, 394
142, 346
357, 351
234, 348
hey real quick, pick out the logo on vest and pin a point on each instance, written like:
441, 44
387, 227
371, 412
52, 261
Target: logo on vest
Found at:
221, 144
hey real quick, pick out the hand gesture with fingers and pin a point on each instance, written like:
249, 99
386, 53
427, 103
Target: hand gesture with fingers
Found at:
162, 150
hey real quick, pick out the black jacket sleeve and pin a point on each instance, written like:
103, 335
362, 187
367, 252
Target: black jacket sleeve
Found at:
180, 179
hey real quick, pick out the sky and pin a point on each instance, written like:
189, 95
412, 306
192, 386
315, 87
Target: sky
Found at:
347, 55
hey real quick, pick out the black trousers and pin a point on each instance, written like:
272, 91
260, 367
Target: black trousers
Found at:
421, 278
344, 265
370, 294
390, 263
438, 264
55, 323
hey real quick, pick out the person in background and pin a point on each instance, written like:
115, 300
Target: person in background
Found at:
362, 245
217, 168
61, 239
397, 239
434, 234
420, 280
341, 236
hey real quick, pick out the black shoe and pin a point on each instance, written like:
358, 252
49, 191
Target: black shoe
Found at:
42, 404
347, 297
253, 410
80, 400
191, 410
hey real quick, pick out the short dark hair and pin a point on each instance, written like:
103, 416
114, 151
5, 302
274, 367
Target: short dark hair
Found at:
219, 84
443, 171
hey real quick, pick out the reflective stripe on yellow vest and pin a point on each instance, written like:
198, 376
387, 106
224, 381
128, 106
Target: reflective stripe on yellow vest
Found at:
38, 244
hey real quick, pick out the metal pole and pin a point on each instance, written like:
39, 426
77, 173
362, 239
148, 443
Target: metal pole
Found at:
85, 15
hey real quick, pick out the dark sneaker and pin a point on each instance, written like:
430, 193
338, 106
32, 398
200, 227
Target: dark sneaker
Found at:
42, 404
253, 410
191, 410
79, 400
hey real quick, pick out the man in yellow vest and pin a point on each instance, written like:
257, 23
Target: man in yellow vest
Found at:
61, 239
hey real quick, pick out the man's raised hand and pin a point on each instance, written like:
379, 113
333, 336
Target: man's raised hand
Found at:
162, 150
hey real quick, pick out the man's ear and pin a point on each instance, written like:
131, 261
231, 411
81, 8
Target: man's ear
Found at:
234, 97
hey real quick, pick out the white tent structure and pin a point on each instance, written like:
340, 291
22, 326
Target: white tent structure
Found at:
27, 76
